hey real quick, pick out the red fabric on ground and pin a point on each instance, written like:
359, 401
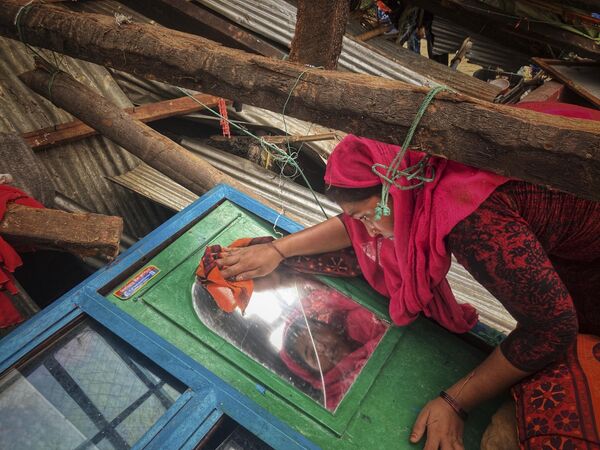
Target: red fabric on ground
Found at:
411, 269
9, 258
558, 408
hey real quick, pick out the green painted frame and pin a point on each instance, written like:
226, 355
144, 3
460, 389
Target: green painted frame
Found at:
356, 289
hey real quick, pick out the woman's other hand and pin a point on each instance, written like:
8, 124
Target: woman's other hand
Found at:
443, 426
245, 263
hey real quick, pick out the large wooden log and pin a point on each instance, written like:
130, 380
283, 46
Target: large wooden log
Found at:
82, 234
320, 29
563, 153
147, 144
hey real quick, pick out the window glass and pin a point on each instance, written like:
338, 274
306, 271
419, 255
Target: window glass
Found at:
311, 335
88, 389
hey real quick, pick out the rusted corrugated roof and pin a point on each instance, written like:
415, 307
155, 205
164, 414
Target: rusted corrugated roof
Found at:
276, 19
79, 169
484, 51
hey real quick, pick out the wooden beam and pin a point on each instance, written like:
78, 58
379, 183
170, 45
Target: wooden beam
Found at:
76, 129
79, 233
364, 37
292, 139
555, 151
320, 29
156, 150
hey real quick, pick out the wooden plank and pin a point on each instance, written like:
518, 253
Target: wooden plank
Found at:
76, 129
278, 139
550, 91
319, 32
363, 37
83, 234
134, 136
584, 78
539, 148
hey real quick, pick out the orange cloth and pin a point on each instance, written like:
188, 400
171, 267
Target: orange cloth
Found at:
231, 294
228, 294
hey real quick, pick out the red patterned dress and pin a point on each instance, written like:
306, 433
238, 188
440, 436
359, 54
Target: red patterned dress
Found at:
538, 252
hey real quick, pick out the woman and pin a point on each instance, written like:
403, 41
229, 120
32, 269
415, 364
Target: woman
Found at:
510, 235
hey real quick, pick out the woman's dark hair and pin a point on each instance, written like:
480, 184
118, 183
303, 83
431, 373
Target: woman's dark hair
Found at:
349, 195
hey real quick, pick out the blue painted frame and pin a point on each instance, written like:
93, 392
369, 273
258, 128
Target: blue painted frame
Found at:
208, 398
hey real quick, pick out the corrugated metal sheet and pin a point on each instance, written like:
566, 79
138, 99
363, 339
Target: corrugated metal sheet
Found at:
484, 52
152, 184
293, 198
276, 20
78, 170
293, 126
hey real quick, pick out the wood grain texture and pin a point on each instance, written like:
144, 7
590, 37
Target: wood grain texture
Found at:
555, 151
80, 233
76, 129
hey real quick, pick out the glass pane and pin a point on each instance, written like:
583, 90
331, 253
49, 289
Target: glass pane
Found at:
87, 390
308, 333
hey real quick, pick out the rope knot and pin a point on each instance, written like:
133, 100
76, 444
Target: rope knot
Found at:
392, 174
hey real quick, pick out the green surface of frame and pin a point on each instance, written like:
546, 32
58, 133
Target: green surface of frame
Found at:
409, 367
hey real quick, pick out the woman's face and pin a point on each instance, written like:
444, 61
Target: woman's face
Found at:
330, 346
364, 211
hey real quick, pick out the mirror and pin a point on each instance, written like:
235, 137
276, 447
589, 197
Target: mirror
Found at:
308, 333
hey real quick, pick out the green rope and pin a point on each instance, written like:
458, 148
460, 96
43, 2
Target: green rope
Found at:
277, 153
390, 175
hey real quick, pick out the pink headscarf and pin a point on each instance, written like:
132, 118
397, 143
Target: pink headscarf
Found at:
411, 269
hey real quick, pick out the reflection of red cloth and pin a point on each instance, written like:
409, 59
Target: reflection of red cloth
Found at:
559, 406
411, 270
9, 258
330, 307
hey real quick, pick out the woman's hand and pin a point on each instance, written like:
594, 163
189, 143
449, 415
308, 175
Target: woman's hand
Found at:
245, 263
443, 426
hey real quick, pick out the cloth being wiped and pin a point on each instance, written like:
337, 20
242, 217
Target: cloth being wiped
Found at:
231, 294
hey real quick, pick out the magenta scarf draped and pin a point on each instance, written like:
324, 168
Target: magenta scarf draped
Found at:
411, 269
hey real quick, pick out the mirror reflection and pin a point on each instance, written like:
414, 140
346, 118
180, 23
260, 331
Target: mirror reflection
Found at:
309, 334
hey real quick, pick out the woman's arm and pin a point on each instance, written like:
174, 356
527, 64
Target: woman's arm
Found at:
260, 260
497, 246
444, 427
